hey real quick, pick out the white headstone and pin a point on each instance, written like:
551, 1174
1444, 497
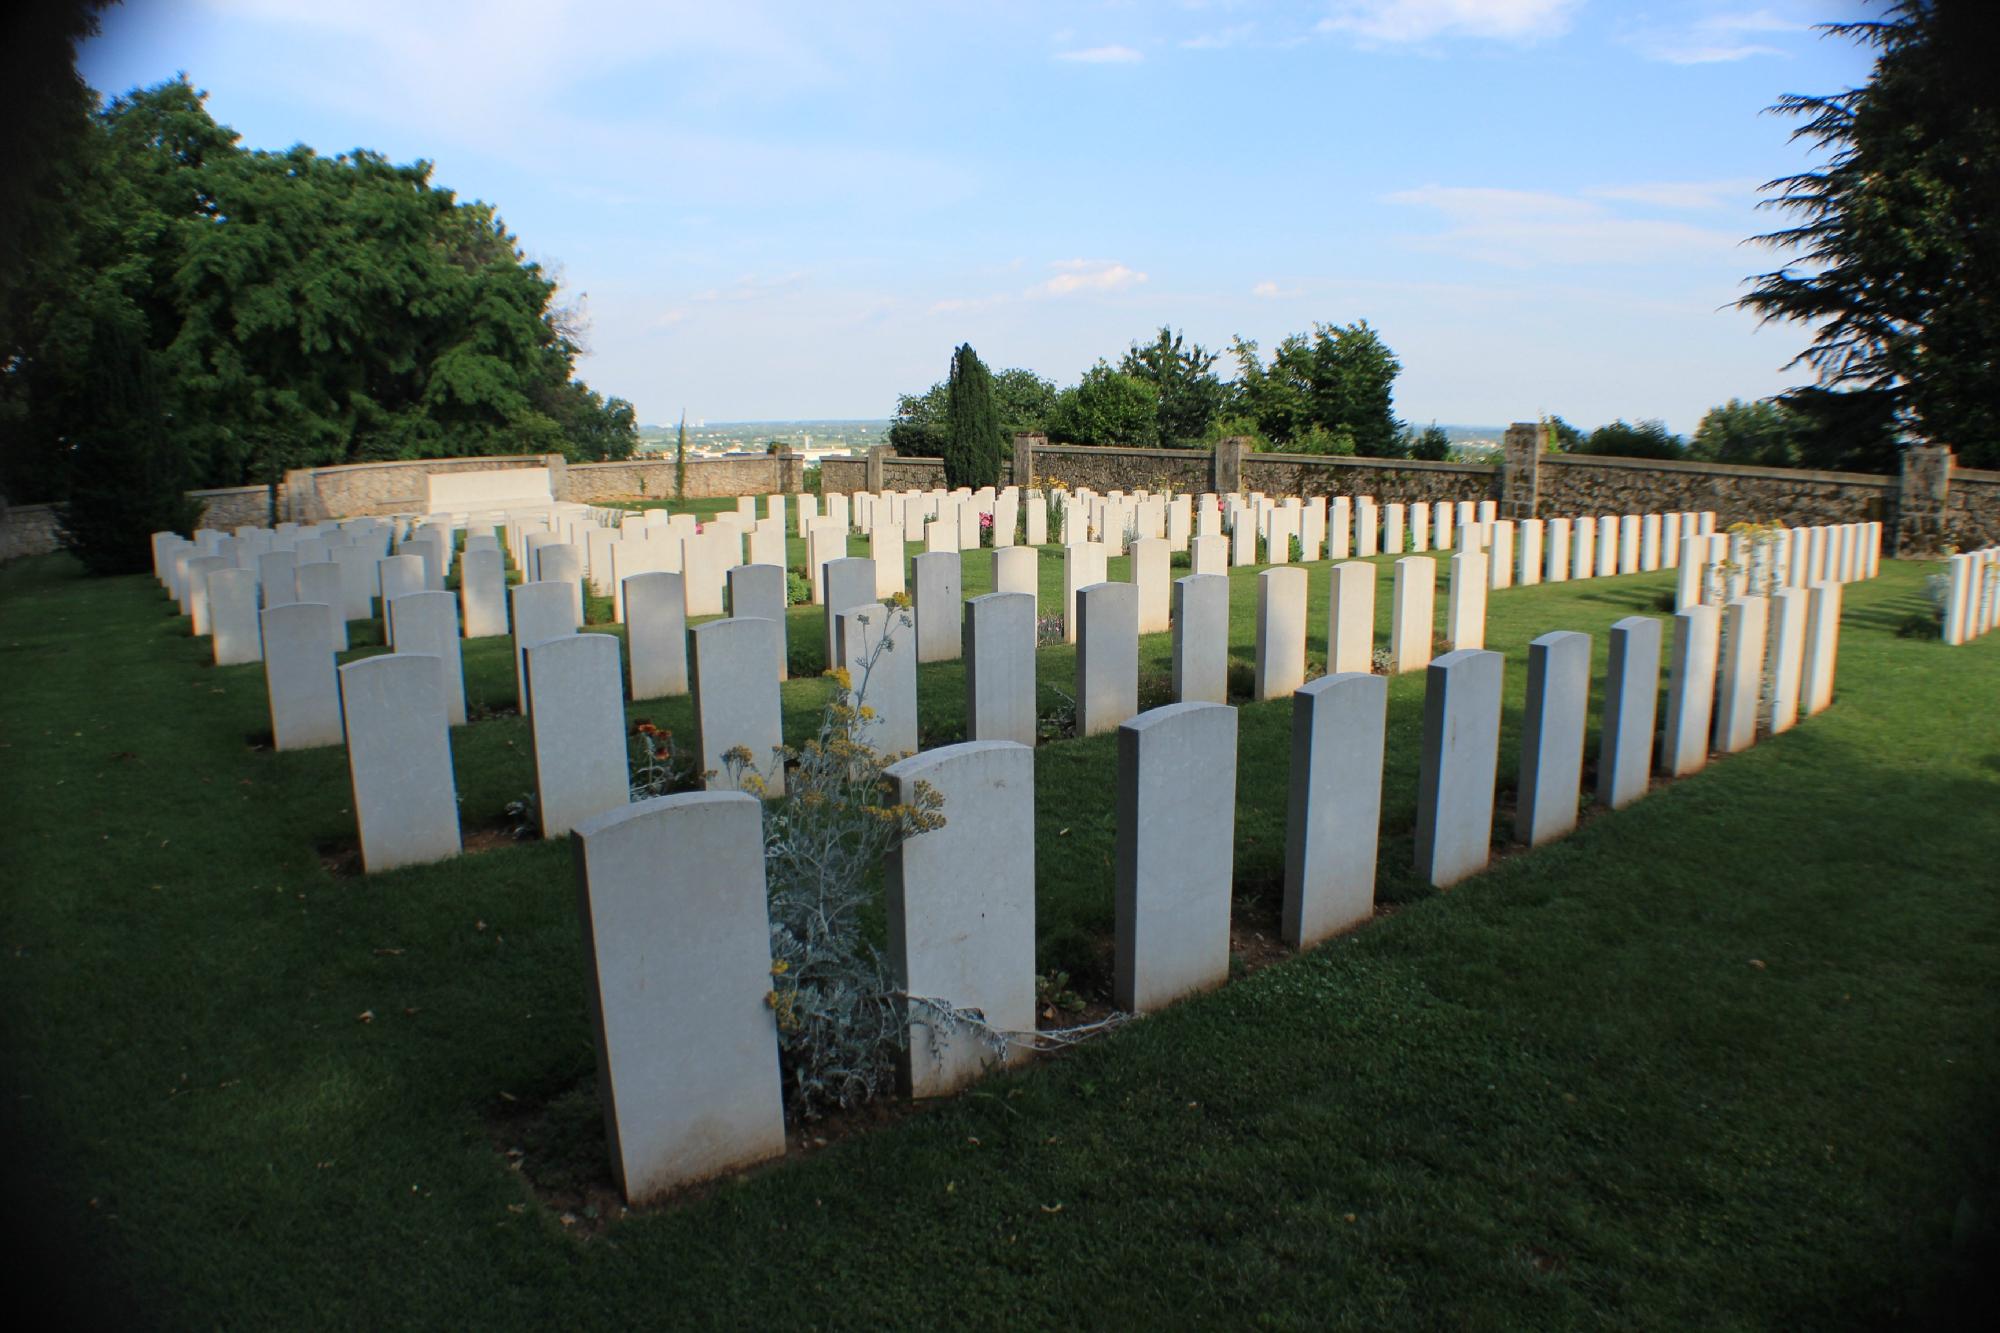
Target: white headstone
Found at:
656, 633
1822, 646
938, 606
232, 616
1151, 574
1281, 632
1335, 805
1107, 656
541, 611
427, 623
1465, 617
482, 593
1413, 614
1631, 704
399, 760
1201, 638
760, 591
579, 730
299, 675
1461, 750
965, 940
1690, 690
1175, 853
845, 583
1000, 666
1744, 620
677, 944
1350, 620
886, 637
736, 703
1084, 563
1552, 730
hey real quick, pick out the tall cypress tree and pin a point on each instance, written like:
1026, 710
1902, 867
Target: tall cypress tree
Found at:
972, 425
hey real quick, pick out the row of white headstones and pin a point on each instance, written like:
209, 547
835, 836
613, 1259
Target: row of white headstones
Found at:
680, 971
1972, 594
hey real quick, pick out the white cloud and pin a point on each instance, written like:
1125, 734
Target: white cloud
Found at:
1271, 291
1101, 55
1087, 275
1526, 228
1221, 39
1715, 38
1398, 21
1681, 194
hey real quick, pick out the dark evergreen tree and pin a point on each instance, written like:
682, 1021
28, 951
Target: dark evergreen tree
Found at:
1899, 241
129, 473
972, 446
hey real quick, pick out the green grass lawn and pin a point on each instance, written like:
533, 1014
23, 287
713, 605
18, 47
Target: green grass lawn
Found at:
1727, 1058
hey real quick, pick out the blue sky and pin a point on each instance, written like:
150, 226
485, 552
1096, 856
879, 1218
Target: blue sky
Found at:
797, 210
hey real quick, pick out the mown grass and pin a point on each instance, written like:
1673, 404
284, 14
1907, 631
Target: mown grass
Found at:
1727, 1058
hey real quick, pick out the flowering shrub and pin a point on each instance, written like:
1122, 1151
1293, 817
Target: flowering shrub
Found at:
840, 1018
659, 767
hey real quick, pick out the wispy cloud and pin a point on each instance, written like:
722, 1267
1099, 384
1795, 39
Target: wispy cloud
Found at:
1681, 194
1715, 38
1221, 39
1526, 229
1102, 55
1271, 291
1394, 22
1087, 275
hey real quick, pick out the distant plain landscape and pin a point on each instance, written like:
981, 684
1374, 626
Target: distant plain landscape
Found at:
857, 434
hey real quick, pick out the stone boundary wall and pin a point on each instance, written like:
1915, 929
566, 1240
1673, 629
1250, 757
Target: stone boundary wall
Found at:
352, 490
1972, 509
235, 507
1390, 480
1588, 484
844, 476
707, 478
28, 530
1104, 470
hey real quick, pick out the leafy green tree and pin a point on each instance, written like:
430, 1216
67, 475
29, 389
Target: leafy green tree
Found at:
1764, 433
1340, 378
1431, 443
1189, 396
972, 433
1898, 239
304, 310
1107, 406
1624, 439
1024, 401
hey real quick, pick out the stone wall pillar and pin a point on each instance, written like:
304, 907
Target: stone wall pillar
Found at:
1520, 467
1024, 457
791, 472
1920, 501
877, 456
558, 467
1227, 478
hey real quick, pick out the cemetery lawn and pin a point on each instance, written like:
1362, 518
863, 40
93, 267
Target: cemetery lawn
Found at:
1728, 1058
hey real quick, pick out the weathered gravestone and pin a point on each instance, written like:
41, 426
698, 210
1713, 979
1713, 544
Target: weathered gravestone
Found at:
427, 623
1107, 656
1460, 756
1744, 622
759, 591
399, 760
1412, 614
877, 647
579, 730
1335, 805
1175, 853
656, 634
736, 706
1631, 700
541, 611
670, 892
299, 675
1000, 667
1690, 690
1350, 619
482, 593
964, 940
1280, 661
321, 582
1201, 638
232, 617
1552, 732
